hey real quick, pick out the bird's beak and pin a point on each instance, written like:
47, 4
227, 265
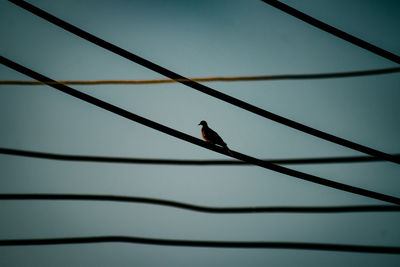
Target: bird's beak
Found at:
198, 124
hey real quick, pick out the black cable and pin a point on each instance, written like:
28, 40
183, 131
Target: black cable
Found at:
103, 159
332, 30
202, 88
205, 209
200, 243
193, 140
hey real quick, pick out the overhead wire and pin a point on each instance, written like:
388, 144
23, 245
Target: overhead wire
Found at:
200, 87
334, 31
219, 78
218, 244
201, 243
202, 208
202, 162
193, 140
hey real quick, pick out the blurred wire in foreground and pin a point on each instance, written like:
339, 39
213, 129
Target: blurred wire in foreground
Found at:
200, 243
206, 209
218, 79
104, 159
332, 30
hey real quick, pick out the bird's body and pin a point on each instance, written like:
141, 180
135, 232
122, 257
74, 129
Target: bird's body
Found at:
211, 136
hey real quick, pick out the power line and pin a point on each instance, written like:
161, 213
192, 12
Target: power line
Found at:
193, 140
202, 88
332, 30
201, 243
218, 78
205, 209
104, 159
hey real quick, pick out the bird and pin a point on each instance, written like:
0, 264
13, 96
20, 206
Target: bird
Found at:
212, 137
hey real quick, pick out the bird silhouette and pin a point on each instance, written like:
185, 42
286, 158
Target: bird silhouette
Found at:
212, 137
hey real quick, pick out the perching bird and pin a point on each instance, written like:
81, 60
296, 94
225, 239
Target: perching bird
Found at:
211, 136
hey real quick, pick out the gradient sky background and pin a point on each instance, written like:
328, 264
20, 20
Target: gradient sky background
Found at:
194, 39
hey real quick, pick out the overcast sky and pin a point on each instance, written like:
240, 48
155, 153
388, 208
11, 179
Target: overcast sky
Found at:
196, 39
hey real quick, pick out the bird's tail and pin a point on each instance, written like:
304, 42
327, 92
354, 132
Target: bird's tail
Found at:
227, 149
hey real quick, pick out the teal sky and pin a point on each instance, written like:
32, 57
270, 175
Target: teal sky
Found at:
195, 39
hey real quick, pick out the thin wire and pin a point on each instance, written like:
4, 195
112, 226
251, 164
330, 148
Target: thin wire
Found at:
205, 209
193, 140
103, 159
332, 30
201, 243
202, 88
218, 79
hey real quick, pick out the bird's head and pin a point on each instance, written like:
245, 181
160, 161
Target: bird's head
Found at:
204, 123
